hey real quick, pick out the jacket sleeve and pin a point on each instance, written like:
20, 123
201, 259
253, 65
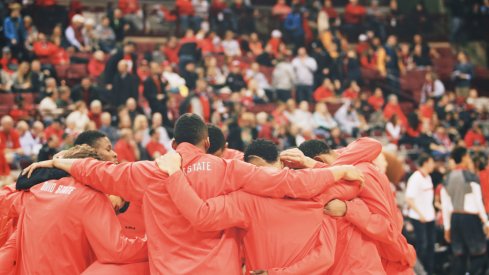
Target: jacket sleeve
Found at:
320, 259
361, 150
9, 29
380, 229
342, 191
128, 180
39, 176
271, 182
104, 232
8, 255
211, 215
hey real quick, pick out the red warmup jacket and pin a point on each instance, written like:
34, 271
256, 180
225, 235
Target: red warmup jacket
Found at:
390, 110
231, 154
279, 234
64, 225
377, 215
174, 246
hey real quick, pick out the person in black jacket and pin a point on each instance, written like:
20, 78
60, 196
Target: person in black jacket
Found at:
88, 92
49, 149
119, 25
190, 76
127, 53
155, 91
124, 85
235, 80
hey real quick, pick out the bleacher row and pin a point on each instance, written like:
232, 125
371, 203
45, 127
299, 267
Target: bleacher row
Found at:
411, 82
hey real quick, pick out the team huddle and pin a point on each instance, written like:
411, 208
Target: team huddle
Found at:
205, 209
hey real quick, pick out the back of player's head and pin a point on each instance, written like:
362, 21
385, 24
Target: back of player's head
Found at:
190, 128
216, 137
313, 148
458, 154
89, 138
262, 148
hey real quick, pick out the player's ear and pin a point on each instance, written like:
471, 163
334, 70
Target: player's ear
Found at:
207, 144
174, 144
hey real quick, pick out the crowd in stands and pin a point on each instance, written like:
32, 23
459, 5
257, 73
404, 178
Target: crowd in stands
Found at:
320, 74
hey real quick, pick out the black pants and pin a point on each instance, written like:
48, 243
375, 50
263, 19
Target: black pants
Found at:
425, 243
283, 95
468, 244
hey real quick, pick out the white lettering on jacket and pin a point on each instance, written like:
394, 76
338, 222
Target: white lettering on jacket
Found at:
49, 186
198, 166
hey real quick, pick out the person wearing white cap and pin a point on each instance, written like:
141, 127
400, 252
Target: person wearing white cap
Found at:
74, 32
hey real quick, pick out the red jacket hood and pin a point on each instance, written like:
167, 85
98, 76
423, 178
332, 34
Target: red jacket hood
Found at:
361, 150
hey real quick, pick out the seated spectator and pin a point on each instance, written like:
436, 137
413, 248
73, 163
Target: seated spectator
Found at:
64, 100
277, 46
393, 129
74, 33
302, 117
49, 149
336, 140
235, 80
96, 64
22, 79
255, 44
158, 54
283, 79
430, 145
474, 137
157, 124
87, 92
442, 138
106, 127
50, 87
201, 12
413, 130
281, 10
352, 92
480, 104
89, 34
124, 85
266, 58
61, 56
79, 117
48, 108
95, 113
119, 24
174, 80
254, 73
132, 13
5, 81
432, 88
392, 107
419, 59
325, 92
348, 119
253, 94
214, 74
38, 77
323, 120
9, 64
376, 100
125, 147
10, 147
30, 146
230, 45
154, 147
427, 110
106, 35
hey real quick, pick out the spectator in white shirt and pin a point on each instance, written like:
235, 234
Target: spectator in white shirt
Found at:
432, 88
393, 129
74, 33
419, 198
302, 117
79, 117
30, 147
464, 217
304, 68
156, 124
348, 119
230, 45
323, 120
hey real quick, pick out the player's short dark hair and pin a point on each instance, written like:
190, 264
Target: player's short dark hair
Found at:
152, 131
458, 154
190, 128
262, 148
89, 138
423, 158
313, 148
216, 138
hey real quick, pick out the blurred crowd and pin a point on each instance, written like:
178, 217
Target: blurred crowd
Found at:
320, 74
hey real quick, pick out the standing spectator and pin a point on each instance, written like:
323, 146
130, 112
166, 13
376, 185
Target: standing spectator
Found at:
14, 31
464, 217
281, 10
201, 12
462, 75
154, 90
128, 54
419, 198
132, 13
106, 35
294, 26
353, 72
185, 12
392, 64
354, 15
31, 33
304, 68
283, 79
106, 127
124, 85
458, 12
119, 25
74, 33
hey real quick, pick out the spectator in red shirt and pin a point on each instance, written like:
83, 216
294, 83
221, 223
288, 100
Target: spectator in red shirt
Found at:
475, 137
154, 147
95, 113
42, 47
126, 148
96, 65
9, 145
353, 19
171, 50
376, 100
392, 107
281, 10
7, 61
185, 11
484, 181
427, 110
131, 11
352, 92
325, 92
54, 129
